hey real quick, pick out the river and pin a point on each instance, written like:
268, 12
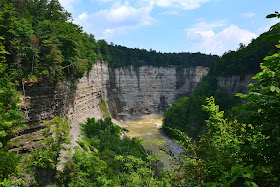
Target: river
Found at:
149, 128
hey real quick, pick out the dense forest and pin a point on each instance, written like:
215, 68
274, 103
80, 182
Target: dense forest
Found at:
38, 42
119, 56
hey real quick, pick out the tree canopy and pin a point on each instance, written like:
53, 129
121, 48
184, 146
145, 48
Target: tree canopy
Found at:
245, 60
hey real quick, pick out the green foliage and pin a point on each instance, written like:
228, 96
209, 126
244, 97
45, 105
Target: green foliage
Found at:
228, 154
11, 121
263, 108
8, 164
3, 52
104, 108
11, 118
55, 136
42, 43
245, 59
118, 56
106, 159
52, 60
186, 114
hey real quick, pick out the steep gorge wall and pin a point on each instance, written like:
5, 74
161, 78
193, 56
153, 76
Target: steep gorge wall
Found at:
44, 101
235, 84
150, 90
127, 91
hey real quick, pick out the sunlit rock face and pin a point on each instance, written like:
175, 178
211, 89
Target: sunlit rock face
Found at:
44, 101
150, 90
129, 93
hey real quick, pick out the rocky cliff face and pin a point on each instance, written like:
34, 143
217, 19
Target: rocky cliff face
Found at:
235, 84
149, 90
87, 97
127, 91
44, 101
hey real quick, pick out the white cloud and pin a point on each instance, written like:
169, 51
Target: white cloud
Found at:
182, 4
105, 1
117, 20
248, 15
169, 13
68, 4
204, 38
203, 26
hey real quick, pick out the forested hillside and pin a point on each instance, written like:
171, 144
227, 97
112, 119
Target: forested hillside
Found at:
40, 42
187, 115
243, 148
119, 56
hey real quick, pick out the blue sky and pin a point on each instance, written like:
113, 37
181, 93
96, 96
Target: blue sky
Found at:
206, 26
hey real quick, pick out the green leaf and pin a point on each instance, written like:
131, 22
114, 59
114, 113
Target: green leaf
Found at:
251, 85
277, 90
271, 16
278, 45
248, 175
3, 133
241, 95
272, 88
234, 169
267, 58
254, 184
256, 76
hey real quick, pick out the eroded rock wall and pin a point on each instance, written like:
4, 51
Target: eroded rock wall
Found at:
236, 84
127, 91
150, 90
44, 101
86, 99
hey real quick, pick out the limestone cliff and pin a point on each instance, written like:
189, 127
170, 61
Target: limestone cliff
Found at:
127, 91
235, 84
43, 101
150, 90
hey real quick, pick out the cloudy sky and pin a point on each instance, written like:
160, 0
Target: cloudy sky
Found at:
207, 26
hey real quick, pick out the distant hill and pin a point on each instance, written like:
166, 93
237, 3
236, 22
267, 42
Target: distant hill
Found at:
120, 56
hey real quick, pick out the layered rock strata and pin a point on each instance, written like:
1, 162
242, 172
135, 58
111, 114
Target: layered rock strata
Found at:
127, 91
150, 90
235, 84
44, 101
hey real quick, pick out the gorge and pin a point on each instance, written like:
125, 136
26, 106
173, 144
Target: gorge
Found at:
68, 99
129, 93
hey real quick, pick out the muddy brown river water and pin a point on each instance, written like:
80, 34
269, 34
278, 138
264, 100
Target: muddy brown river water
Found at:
148, 128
